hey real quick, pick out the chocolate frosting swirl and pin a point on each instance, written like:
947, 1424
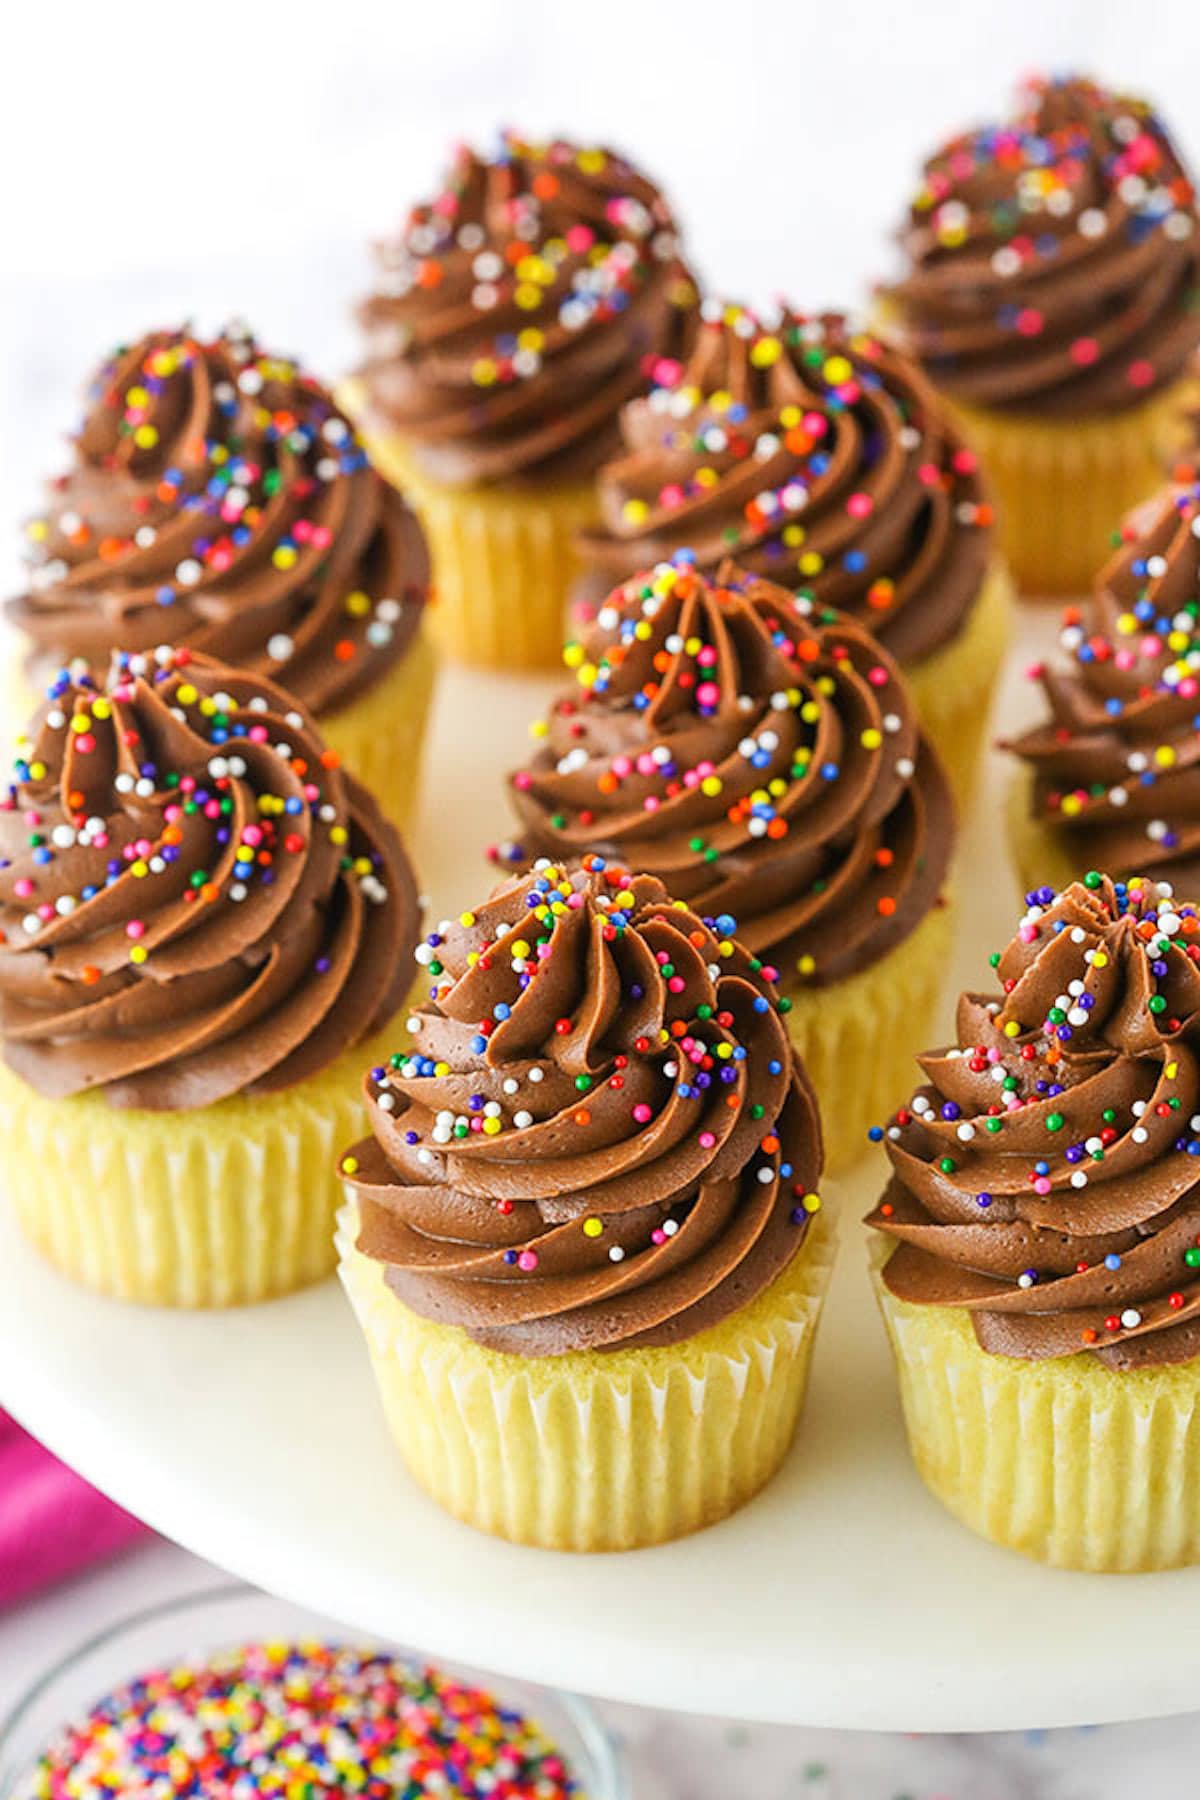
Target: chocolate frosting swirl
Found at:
218, 499
817, 455
194, 900
1116, 764
759, 754
1044, 1177
1053, 260
520, 308
601, 1137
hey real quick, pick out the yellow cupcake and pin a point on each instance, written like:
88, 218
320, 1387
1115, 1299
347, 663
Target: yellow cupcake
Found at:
584, 1241
203, 927
222, 1205
1062, 486
857, 1037
503, 557
1065, 1460
609, 1450
1035, 1254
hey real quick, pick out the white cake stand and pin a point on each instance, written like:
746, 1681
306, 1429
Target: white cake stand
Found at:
843, 1596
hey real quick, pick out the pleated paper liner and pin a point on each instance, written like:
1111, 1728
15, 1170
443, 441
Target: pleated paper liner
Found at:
380, 737
953, 689
1065, 1460
1062, 487
219, 1206
593, 1451
504, 560
857, 1038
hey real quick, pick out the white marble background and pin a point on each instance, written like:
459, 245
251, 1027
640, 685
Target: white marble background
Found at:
163, 162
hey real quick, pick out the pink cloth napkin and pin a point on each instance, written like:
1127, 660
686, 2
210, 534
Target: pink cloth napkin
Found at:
51, 1522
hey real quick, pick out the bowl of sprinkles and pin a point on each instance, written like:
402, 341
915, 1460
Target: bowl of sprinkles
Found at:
228, 1694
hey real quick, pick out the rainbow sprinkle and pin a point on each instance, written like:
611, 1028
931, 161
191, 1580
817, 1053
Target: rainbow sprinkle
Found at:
299, 1721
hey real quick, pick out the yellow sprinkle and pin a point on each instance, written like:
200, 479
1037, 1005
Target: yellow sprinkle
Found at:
811, 1203
711, 785
1012, 1029
101, 707
1164, 756
145, 437
81, 722
871, 738
186, 694
138, 953
358, 604
1100, 960
338, 834
592, 1228
349, 1165
491, 1127
467, 918
806, 964
766, 351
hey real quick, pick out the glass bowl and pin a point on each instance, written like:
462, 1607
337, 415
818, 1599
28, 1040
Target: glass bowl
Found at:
197, 1624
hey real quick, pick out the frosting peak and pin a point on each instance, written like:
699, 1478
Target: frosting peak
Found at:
816, 454
757, 752
1053, 259
195, 901
519, 308
1044, 1175
218, 498
601, 1136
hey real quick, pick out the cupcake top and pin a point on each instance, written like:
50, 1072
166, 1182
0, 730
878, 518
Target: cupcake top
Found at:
817, 455
1052, 261
520, 307
1044, 1174
1116, 763
601, 1137
218, 499
195, 901
758, 752
275, 1721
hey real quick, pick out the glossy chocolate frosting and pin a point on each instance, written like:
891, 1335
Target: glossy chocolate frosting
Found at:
520, 308
1045, 1175
818, 456
601, 1137
1116, 762
760, 754
195, 901
1053, 262
218, 499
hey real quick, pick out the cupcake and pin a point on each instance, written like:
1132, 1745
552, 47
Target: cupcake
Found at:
761, 755
202, 924
584, 1240
1111, 776
1039, 1270
820, 457
516, 312
218, 499
1051, 292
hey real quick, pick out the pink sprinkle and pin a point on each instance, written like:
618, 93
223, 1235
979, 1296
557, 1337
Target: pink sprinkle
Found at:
708, 693
1041, 1184
136, 928
85, 743
1027, 933
676, 983
877, 676
707, 1140
658, 1235
642, 1113
522, 781
860, 506
621, 766
23, 888
527, 1260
